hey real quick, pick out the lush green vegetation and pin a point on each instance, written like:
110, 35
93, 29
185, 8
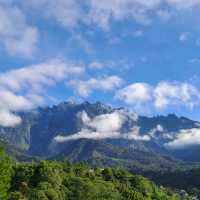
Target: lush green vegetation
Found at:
64, 181
5, 174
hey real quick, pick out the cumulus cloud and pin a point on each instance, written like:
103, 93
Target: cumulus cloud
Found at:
23, 89
85, 88
185, 138
184, 94
104, 126
16, 35
161, 96
134, 93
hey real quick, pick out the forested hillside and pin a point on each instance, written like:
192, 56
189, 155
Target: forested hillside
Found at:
64, 181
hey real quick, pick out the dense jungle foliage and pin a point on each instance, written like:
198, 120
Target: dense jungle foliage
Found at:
63, 181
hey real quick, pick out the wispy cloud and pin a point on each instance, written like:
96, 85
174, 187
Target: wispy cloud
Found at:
16, 35
85, 88
71, 13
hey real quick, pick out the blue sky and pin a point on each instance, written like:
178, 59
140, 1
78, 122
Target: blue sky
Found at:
143, 55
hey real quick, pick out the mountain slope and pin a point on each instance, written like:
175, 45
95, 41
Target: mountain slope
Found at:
123, 132
99, 153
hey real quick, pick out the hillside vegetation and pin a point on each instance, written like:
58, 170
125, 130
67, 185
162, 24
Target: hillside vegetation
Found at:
64, 181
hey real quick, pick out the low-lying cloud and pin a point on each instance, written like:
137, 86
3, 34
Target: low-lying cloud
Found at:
185, 138
105, 126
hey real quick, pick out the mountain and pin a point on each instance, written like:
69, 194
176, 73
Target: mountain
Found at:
102, 134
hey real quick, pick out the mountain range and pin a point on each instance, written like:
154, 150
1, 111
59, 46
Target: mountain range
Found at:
102, 135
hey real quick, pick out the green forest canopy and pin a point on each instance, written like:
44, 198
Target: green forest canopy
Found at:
49, 180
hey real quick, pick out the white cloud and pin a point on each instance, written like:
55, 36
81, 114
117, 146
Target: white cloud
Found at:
103, 127
134, 134
81, 42
180, 94
23, 89
85, 88
104, 12
162, 96
38, 75
8, 119
16, 36
106, 123
183, 4
160, 133
14, 102
164, 15
71, 13
159, 128
67, 13
25, 45
185, 138
135, 93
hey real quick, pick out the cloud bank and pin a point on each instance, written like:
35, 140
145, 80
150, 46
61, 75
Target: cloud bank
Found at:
105, 126
184, 139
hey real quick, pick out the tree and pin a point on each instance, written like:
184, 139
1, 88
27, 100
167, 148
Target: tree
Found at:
107, 174
5, 174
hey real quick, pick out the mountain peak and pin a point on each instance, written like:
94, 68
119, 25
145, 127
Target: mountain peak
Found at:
36, 133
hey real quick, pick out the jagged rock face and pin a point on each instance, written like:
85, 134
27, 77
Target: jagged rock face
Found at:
39, 128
